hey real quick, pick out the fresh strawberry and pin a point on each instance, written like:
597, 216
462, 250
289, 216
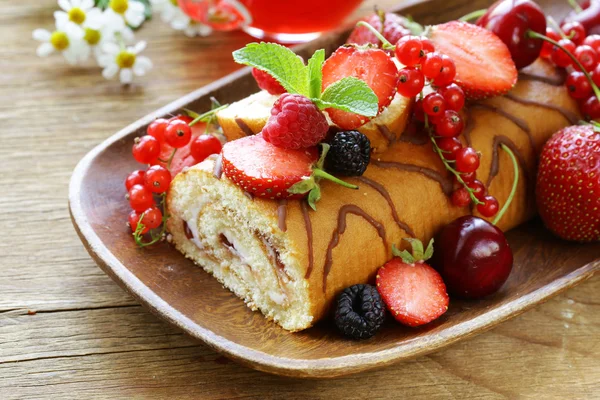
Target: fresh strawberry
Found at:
265, 170
568, 183
413, 291
373, 66
393, 29
484, 67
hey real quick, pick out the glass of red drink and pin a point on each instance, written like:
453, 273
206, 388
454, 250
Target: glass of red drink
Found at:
285, 21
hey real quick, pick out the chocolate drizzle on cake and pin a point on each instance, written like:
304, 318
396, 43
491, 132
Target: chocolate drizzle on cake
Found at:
341, 228
408, 136
386, 195
218, 168
244, 127
385, 131
569, 116
495, 165
445, 182
249, 195
557, 80
514, 119
282, 214
468, 129
309, 238
186, 229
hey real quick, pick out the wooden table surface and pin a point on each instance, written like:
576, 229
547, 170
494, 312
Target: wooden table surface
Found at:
68, 331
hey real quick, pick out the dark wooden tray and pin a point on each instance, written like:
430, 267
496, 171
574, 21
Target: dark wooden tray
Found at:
187, 297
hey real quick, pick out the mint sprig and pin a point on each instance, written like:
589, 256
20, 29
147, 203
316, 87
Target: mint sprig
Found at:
348, 94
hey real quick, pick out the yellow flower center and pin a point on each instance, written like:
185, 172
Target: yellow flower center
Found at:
59, 40
119, 6
77, 15
174, 2
92, 36
125, 59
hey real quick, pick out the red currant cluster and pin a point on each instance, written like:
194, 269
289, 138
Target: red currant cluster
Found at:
586, 49
158, 148
440, 111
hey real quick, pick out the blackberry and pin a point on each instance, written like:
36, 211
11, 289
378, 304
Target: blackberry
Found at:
360, 311
349, 154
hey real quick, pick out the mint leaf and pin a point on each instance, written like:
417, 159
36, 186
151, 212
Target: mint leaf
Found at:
315, 74
279, 62
352, 95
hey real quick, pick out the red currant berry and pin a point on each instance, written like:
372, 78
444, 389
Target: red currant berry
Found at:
178, 133
409, 50
146, 149
157, 179
547, 47
478, 188
454, 96
450, 146
559, 57
134, 178
203, 146
447, 72
428, 46
489, 208
418, 111
432, 64
596, 75
586, 56
468, 177
450, 124
594, 42
467, 160
591, 108
461, 198
181, 117
434, 104
140, 198
152, 218
133, 220
157, 129
410, 82
575, 31
578, 85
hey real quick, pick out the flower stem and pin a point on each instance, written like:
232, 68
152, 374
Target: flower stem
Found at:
473, 15
322, 174
386, 44
536, 35
514, 186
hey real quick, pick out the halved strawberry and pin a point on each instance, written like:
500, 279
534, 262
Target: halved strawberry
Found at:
484, 67
265, 170
373, 66
413, 291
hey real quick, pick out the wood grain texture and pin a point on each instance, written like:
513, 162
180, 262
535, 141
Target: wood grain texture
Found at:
89, 338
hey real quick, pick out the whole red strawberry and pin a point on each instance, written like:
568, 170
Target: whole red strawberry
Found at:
295, 123
413, 291
568, 183
393, 29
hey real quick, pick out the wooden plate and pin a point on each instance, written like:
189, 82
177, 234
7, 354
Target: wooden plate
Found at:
187, 297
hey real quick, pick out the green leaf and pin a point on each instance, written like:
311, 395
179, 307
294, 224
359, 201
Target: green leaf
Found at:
314, 196
325, 149
417, 248
429, 251
404, 255
352, 95
279, 61
305, 185
315, 74
102, 4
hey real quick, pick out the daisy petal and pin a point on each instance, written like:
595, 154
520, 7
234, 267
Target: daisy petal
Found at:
142, 65
61, 18
94, 19
126, 76
42, 35
139, 47
204, 30
180, 22
128, 35
76, 3
44, 49
86, 4
73, 30
110, 71
104, 60
136, 6
110, 48
65, 4
134, 19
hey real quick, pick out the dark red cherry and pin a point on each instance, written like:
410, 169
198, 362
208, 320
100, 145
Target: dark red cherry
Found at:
510, 20
473, 257
589, 17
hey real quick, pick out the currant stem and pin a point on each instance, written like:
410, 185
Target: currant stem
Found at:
575, 6
536, 35
552, 22
319, 173
514, 186
137, 235
203, 117
171, 159
473, 15
386, 44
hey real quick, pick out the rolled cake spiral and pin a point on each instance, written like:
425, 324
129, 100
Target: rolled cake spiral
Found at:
290, 262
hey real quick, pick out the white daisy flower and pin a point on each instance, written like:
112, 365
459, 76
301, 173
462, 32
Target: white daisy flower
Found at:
66, 39
132, 12
79, 13
125, 61
195, 28
173, 15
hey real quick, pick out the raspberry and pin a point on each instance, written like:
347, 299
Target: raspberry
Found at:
393, 30
295, 123
360, 312
349, 153
267, 82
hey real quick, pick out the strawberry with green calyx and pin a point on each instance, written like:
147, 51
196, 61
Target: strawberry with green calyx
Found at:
413, 291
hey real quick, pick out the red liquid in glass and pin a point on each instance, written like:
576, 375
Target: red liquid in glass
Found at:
298, 17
